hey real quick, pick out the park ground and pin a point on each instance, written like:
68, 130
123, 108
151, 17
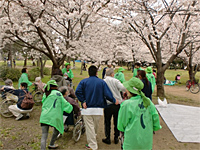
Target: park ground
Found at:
26, 134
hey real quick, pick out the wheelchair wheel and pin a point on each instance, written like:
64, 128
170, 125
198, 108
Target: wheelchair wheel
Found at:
77, 132
4, 108
194, 88
37, 97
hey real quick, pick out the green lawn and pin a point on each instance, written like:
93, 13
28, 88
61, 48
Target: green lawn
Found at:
169, 74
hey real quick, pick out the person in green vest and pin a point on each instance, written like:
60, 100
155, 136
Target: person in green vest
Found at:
24, 78
151, 77
53, 106
120, 75
68, 72
137, 118
137, 67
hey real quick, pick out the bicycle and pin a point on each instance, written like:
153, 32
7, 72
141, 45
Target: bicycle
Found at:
192, 86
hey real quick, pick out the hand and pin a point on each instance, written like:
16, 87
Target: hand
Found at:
84, 105
2, 88
117, 102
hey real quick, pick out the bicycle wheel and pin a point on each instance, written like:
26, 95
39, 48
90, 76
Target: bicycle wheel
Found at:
187, 85
77, 132
4, 108
37, 97
194, 88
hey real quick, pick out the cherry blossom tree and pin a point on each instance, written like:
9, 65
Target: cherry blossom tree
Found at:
166, 27
47, 26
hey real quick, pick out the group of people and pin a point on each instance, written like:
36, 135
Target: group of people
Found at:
135, 118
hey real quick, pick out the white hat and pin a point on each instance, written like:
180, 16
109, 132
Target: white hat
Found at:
37, 79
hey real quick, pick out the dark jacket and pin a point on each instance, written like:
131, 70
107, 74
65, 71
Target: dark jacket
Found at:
94, 92
147, 90
104, 72
20, 93
75, 105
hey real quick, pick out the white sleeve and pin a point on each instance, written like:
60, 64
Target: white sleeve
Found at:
120, 86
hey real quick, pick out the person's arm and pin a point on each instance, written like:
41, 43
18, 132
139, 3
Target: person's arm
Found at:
14, 92
124, 117
155, 118
120, 86
66, 106
80, 92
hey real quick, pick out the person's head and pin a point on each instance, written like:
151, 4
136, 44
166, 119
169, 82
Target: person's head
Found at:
8, 82
23, 85
67, 65
68, 83
57, 71
109, 65
141, 74
121, 69
92, 71
137, 65
149, 70
64, 90
37, 79
65, 75
51, 85
134, 87
110, 72
24, 70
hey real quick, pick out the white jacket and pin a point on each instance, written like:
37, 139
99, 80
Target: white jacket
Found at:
115, 86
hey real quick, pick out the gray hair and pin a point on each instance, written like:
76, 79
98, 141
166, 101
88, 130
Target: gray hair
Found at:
109, 71
63, 89
8, 82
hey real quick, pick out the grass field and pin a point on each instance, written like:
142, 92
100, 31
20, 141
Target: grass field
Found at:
169, 74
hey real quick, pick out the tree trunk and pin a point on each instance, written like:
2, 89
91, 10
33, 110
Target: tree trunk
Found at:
25, 62
73, 63
41, 68
160, 74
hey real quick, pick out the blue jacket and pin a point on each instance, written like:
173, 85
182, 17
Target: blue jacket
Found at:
20, 93
94, 92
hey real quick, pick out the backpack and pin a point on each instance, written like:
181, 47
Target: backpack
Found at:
27, 102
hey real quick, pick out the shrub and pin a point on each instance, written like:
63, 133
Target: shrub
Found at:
33, 73
47, 71
9, 73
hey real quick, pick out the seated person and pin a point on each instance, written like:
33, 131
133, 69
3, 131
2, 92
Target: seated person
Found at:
40, 85
9, 85
16, 109
76, 109
71, 90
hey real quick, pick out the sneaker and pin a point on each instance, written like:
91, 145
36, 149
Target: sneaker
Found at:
87, 147
116, 140
106, 140
53, 146
19, 117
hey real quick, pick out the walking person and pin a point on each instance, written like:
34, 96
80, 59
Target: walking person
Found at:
68, 72
151, 77
112, 110
58, 77
147, 89
137, 117
92, 92
137, 67
14, 62
24, 78
104, 69
53, 106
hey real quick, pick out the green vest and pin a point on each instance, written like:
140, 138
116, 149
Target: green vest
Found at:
151, 79
119, 76
135, 71
53, 107
24, 78
137, 123
69, 73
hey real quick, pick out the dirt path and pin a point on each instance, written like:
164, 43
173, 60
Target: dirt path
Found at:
26, 134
